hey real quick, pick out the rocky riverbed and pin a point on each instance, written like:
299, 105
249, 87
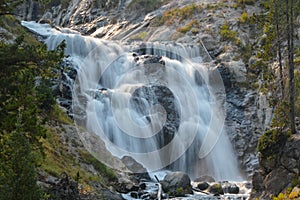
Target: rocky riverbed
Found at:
177, 185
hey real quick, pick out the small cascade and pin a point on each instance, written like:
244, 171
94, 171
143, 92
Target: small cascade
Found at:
150, 101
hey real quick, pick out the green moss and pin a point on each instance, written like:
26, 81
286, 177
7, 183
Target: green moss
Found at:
270, 143
295, 181
179, 191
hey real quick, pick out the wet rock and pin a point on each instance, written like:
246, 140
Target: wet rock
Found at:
205, 178
257, 181
226, 75
52, 180
142, 186
230, 188
134, 195
131, 187
277, 180
211, 45
108, 195
137, 169
198, 78
216, 189
202, 185
177, 184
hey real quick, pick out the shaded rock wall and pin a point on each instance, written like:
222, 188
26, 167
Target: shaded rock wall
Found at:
284, 173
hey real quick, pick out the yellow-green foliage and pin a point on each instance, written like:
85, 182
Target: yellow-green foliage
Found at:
58, 159
99, 166
244, 17
294, 195
179, 191
139, 36
281, 196
186, 28
270, 143
177, 15
195, 30
59, 115
290, 194
145, 5
12, 25
226, 33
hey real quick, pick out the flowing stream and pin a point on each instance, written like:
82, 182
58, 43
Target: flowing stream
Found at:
154, 102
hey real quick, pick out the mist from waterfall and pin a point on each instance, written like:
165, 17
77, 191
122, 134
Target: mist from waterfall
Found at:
115, 98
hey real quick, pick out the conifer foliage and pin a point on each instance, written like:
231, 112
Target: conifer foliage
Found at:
25, 71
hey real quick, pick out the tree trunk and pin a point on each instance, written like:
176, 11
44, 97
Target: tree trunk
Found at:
279, 51
290, 34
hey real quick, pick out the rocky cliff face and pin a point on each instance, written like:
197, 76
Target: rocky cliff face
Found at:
278, 176
248, 113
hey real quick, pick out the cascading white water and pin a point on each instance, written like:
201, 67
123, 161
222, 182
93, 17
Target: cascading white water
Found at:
159, 110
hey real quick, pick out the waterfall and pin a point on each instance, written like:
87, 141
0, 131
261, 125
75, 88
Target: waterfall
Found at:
154, 102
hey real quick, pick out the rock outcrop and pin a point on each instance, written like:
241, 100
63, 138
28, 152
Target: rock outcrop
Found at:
269, 182
177, 184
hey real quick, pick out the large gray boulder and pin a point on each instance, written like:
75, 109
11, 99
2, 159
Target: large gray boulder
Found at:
177, 184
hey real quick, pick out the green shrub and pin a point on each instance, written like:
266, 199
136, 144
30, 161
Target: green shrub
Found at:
226, 33
99, 166
179, 14
244, 17
271, 142
195, 31
145, 6
188, 27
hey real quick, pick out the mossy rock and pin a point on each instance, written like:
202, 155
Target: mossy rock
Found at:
216, 189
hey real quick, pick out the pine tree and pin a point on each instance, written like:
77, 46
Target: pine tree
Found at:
25, 71
18, 170
290, 38
280, 34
